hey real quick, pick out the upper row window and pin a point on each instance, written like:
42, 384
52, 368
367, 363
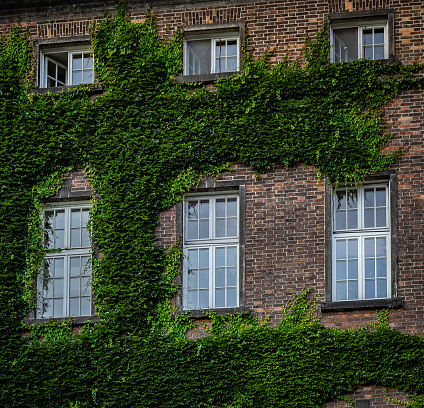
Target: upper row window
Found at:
211, 53
353, 41
64, 66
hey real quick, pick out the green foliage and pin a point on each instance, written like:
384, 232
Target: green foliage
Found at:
144, 143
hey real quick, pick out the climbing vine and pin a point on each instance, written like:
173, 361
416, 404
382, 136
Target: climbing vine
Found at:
143, 143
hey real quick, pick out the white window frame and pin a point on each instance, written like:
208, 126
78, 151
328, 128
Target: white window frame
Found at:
361, 26
48, 53
213, 37
361, 233
66, 253
211, 244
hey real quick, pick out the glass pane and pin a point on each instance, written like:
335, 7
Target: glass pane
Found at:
369, 218
86, 286
220, 50
51, 68
380, 217
353, 290
51, 83
379, 36
232, 256
204, 229
75, 218
369, 197
220, 227
59, 267
47, 309
74, 307
192, 259
204, 258
341, 293
48, 219
192, 279
341, 200
60, 219
219, 257
369, 247
192, 210
204, 299
340, 270
231, 48
58, 288
345, 44
57, 307
381, 268
340, 220
59, 239
198, 57
85, 238
77, 61
369, 268
379, 52
220, 208
380, 246
75, 238
85, 306
220, 297
76, 77
75, 266
232, 207
203, 278
204, 209
192, 299
88, 61
74, 287
192, 230
352, 200
61, 74
370, 289
220, 277
352, 248
380, 197
231, 64
341, 249
231, 297
84, 217
86, 265
220, 65
381, 288
368, 53
232, 277
367, 37
232, 227
352, 219
353, 269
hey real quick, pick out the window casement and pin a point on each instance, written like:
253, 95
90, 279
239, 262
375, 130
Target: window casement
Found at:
64, 285
62, 66
351, 41
211, 251
361, 243
211, 52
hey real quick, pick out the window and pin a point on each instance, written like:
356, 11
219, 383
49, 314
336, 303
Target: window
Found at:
361, 243
367, 39
65, 282
211, 249
215, 52
63, 66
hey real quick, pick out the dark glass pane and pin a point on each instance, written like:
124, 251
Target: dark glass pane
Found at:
345, 44
369, 289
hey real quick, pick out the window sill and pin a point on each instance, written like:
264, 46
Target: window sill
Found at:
200, 314
94, 88
361, 305
203, 77
75, 320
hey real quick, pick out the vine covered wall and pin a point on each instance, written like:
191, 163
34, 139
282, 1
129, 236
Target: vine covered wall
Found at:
143, 143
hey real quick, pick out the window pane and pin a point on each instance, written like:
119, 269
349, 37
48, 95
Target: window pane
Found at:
352, 199
220, 208
369, 247
204, 278
204, 209
379, 36
57, 307
59, 239
231, 277
352, 219
352, 248
353, 290
220, 277
74, 287
379, 52
220, 297
192, 210
380, 217
77, 61
231, 48
381, 288
204, 229
367, 37
231, 64
231, 297
368, 53
60, 220
220, 50
381, 246
204, 258
85, 306
47, 308
86, 265
380, 197
340, 220
232, 256
345, 44
75, 238
88, 61
369, 268
76, 77
381, 268
341, 249
58, 288
198, 57
74, 307
369, 218
219, 257
75, 218
86, 286
369, 197
232, 207
192, 230
353, 269
232, 227
192, 299
51, 69
204, 299
370, 289
85, 238
193, 278
341, 200
75, 266
220, 227
61, 74
341, 270
51, 83
341, 293
58, 267
192, 259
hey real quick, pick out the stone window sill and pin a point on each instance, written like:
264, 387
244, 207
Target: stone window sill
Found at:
203, 77
361, 305
75, 320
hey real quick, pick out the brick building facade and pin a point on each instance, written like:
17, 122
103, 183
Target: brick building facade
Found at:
286, 217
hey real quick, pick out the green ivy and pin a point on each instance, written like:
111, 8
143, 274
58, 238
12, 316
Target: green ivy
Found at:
143, 143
